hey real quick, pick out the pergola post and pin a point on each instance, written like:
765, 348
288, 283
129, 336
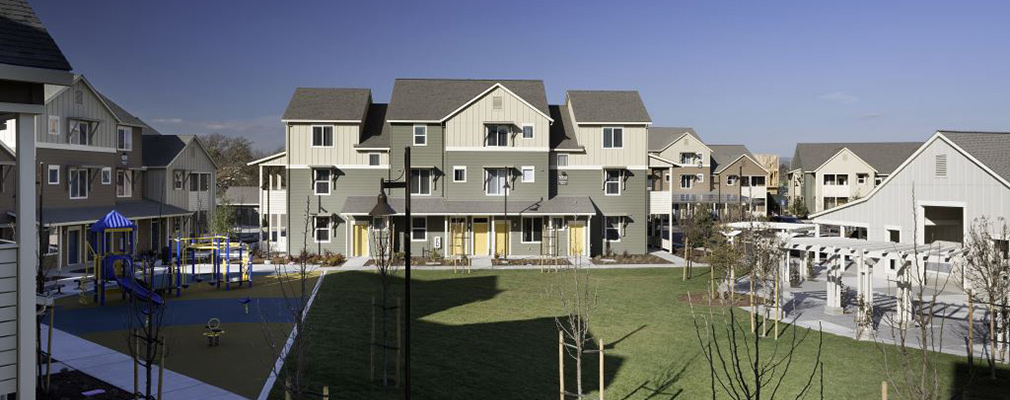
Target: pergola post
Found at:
786, 270
904, 306
804, 274
834, 305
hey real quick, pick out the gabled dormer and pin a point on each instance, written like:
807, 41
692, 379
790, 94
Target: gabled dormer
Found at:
329, 128
77, 117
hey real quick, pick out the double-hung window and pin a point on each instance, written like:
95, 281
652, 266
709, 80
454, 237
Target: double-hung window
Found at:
612, 182
199, 182
80, 132
322, 229
54, 174
124, 187
687, 181
612, 229
321, 181
497, 136
124, 138
528, 174
419, 229
533, 229
322, 136
613, 138
495, 181
107, 176
420, 135
420, 181
79, 184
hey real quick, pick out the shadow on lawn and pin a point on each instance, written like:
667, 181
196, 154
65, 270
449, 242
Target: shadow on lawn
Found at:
507, 359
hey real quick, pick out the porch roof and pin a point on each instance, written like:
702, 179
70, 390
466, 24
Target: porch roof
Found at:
140, 209
421, 205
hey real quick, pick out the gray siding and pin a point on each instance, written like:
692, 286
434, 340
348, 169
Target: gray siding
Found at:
430, 155
65, 106
301, 196
631, 202
475, 162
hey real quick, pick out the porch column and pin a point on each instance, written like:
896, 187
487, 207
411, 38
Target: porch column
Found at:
804, 275
27, 238
785, 268
834, 281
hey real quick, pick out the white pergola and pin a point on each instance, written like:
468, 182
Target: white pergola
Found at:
866, 254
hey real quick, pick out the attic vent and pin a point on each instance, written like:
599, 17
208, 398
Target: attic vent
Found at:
941, 165
496, 102
79, 97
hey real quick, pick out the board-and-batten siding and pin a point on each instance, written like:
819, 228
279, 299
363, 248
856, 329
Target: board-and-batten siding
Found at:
191, 159
65, 106
467, 128
891, 205
634, 154
8, 318
345, 136
848, 163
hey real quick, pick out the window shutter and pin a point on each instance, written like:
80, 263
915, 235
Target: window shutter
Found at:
941, 165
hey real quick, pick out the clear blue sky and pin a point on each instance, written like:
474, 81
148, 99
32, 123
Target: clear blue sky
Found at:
765, 74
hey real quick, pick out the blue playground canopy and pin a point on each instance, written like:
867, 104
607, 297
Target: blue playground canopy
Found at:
112, 220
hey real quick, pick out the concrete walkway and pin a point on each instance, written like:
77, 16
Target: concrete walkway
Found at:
116, 368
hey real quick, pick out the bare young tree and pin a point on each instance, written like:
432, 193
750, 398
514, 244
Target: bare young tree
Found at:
724, 262
144, 337
578, 299
985, 274
738, 369
293, 280
762, 251
384, 260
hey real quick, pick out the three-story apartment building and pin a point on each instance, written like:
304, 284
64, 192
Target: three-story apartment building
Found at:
495, 170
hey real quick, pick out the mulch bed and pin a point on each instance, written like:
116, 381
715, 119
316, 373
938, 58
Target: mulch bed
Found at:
420, 261
630, 259
702, 299
71, 385
530, 261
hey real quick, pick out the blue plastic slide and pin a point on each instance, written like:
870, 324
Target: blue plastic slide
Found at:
130, 286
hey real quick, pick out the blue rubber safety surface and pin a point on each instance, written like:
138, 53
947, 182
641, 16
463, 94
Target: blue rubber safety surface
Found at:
178, 312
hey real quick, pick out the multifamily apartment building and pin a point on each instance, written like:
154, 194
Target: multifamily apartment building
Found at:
686, 174
495, 170
94, 157
827, 175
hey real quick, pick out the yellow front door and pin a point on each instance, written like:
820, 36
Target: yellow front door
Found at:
480, 238
457, 235
501, 237
576, 239
360, 240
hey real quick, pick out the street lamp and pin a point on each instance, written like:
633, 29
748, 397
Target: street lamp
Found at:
383, 210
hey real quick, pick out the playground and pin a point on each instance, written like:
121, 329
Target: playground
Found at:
215, 323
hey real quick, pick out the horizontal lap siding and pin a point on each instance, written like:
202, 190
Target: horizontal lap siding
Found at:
631, 202
429, 155
475, 162
301, 194
8, 318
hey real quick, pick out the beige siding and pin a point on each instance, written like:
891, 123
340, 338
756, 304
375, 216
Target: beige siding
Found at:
848, 163
687, 144
467, 128
633, 155
65, 106
343, 153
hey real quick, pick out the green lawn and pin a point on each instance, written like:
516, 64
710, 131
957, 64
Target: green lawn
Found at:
491, 334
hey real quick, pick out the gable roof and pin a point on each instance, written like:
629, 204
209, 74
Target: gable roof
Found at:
24, 41
724, 155
436, 99
662, 137
161, 150
602, 106
240, 196
126, 118
328, 104
375, 132
990, 148
883, 156
562, 130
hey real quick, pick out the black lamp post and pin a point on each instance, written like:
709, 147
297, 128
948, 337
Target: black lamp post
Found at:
383, 210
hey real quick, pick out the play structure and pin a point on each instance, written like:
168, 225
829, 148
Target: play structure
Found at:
111, 239
225, 256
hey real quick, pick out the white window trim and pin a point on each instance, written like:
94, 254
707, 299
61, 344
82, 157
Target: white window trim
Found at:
620, 176
182, 182
127, 184
316, 229
70, 177
533, 131
487, 135
109, 170
487, 185
49, 171
312, 136
329, 184
459, 168
558, 160
620, 229
430, 182
55, 118
690, 180
603, 134
128, 139
370, 159
413, 135
522, 230
533, 174
412, 227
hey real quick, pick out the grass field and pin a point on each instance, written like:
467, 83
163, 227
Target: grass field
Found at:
491, 334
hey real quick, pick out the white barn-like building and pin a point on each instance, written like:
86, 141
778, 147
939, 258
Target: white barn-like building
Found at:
954, 178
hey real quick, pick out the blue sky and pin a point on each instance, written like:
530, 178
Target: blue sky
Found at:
765, 74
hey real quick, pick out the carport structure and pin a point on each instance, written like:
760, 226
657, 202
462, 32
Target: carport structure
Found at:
835, 254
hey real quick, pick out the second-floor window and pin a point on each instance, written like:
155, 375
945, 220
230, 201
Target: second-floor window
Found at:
54, 174
528, 174
495, 181
124, 138
321, 181
836, 179
124, 187
420, 181
861, 178
613, 138
757, 181
79, 183
731, 180
80, 132
420, 135
322, 136
612, 182
199, 182
178, 179
687, 181
497, 136
106, 176
459, 174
